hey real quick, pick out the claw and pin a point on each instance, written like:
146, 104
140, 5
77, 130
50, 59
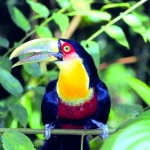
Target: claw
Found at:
48, 128
103, 127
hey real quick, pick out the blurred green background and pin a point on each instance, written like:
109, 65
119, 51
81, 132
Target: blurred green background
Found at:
121, 51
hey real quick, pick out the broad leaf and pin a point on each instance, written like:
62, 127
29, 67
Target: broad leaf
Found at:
117, 33
33, 69
5, 63
95, 16
93, 49
142, 89
10, 83
134, 135
43, 31
39, 8
63, 3
136, 24
81, 5
20, 113
4, 42
19, 19
14, 140
62, 21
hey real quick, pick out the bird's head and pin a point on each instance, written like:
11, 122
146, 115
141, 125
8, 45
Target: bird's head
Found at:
47, 49
55, 50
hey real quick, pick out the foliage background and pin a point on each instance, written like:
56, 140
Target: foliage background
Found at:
121, 52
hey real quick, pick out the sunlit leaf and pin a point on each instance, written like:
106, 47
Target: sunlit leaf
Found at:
39, 8
14, 140
63, 3
62, 21
81, 5
117, 33
26, 102
136, 24
35, 120
4, 42
19, 19
43, 31
142, 89
20, 113
95, 16
93, 49
134, 135
10, 83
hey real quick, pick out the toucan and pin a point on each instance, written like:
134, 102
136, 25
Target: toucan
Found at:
78, 99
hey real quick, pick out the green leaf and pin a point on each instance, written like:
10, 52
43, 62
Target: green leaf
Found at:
136, 24
62, 21
35, 120
117, 33
5, 63
97, 16
132, 20
93, 49
33, 69
128, 110
20, 113
4, 42
10, 83
19, 19
81, 5
134, 135
63, 3
39, 90
14, 140
142, 89
52, 74
43, 31
39, 8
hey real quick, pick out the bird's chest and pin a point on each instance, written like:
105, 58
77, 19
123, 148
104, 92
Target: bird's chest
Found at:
78, 112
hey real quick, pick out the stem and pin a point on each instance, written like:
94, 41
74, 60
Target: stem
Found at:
115, 20
57, 131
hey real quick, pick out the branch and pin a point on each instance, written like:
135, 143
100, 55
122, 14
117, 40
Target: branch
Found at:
57, 131
115, 20
124, 60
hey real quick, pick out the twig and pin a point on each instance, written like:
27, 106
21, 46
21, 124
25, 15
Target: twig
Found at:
115, 20
72, 27
124, 60
57, 131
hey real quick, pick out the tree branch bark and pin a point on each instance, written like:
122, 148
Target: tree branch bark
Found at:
58, 131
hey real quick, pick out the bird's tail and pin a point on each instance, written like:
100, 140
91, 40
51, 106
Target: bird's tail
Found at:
66, 142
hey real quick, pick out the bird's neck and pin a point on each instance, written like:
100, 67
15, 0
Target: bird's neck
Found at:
73, 82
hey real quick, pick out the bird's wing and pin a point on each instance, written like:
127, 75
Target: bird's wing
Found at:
103, 102
49, 106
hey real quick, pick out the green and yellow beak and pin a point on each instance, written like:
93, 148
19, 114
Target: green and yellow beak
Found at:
38, 50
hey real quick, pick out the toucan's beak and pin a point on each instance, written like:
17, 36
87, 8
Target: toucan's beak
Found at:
43, 49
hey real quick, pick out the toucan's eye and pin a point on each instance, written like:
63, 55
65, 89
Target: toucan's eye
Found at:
67, 48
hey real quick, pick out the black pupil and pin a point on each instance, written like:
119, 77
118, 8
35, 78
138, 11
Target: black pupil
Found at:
66, 48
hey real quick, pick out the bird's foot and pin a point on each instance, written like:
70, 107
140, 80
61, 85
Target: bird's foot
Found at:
103, 127
48, 128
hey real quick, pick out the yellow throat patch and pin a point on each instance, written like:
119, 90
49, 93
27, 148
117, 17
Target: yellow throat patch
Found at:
73, 82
